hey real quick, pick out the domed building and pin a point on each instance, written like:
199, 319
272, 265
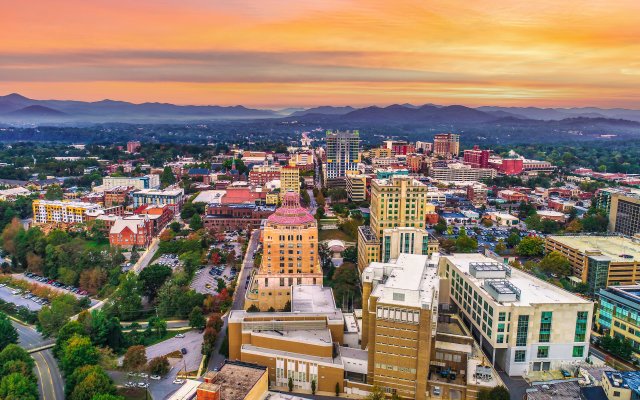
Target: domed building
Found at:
290, 255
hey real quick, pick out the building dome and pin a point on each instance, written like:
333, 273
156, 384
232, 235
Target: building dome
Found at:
291, 212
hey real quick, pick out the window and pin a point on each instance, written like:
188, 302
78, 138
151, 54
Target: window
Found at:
522, 331
398, 296
545, 326
581, 327
543, 351
500, 338
578, 351
520, 356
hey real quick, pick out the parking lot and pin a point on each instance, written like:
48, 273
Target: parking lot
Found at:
170, 260
6, 294
206, 279
51, 284
192, 342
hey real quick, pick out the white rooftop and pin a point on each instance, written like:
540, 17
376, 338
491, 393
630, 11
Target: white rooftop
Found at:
210, 196
533, 290
312, 299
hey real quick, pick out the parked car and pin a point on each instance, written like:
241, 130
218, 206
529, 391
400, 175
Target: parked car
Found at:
183, 350
180, 336
155, 377
178, 381
143, 385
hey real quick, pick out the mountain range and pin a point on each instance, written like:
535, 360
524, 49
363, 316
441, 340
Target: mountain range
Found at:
16, 109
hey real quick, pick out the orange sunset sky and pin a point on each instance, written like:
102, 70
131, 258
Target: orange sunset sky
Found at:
278, 53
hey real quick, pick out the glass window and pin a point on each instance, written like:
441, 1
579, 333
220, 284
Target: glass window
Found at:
578, 351
545, 326
520, 356
522, 330
581, 326
543, 351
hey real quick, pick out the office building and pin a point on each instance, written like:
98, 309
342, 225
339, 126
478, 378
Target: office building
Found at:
290, 256
406, 240
235, 216
343, 153
357, 187
446, 144
523, 323
619, 313
137, 182
599, 261
261, 174
477, 158
624, 214
289, 181
133, 147
477, 194
460, 173
425, 147
66, 212
173, 198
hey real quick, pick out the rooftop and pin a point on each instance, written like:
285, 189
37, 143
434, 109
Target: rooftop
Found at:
625, 380
235, 380
291, 212
317, 337
312, 298
618, 248
532, 290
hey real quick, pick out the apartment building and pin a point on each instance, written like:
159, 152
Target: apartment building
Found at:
289, 181
357, 187
116, 196
261, 174
446, 144
521, 322
137, 182
599, 261
619, 313
343, 153
477, 158
173, 198
290, 256
459, 173
67, 212
399, 201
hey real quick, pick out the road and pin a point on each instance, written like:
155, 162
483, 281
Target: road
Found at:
147, 256
313, 205
50, 383
216, 358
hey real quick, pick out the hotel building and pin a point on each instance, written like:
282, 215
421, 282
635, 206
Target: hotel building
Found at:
290, 256
446, 144
521, 322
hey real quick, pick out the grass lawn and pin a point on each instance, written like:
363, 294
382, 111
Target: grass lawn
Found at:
329, 234
133, 393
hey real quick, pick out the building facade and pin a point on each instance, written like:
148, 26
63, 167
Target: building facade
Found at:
624, 214
289, 181
408, 241
357, 187
343, 153
477, 158
446, 144
461, 173
619, 313
66, 212
173, 198
137, 182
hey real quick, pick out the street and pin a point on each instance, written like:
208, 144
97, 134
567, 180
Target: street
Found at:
50, 383
147, 256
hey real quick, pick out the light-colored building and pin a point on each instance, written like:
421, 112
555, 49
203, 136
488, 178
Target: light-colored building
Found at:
503, 219
406, 240
619, 314
343, 153
67, 212
624, 214
446, 144
621, 385
174, 198
357, 187
235, 381
290, 256
458, 173
137, 182
599, 261
524, 323
289, 181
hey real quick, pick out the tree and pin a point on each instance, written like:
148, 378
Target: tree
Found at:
513, 239
77, 353
18, 387
126, 302
531, 247
152, 278
290, 384
105, 330
167, 178
555, 263
253, 308
52, 318
135, 358
14, 352
313, 387
106, 396
54, 192
157, 326
441, 226
196, 318
65, 333
500, 247
159, 366
350, 254
8, 333
95, 383
376, 394
337, 389
195, 222
466, 244
496, 393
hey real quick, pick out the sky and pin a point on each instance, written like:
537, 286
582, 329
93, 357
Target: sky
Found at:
284, 53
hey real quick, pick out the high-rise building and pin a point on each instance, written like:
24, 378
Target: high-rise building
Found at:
477, 158
406, 240
599, 261
624, 213
343, 153
619, 313
523, 323
399, 201
290, 256
357, 187
446, 144
133, 147
289, 181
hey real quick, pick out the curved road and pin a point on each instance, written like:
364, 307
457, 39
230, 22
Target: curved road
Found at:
50, 383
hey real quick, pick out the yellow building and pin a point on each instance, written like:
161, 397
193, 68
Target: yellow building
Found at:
381, 152
289, 180
68, 212
399, 201
357, 187
619, 385
290, 256
234, 381
599, 261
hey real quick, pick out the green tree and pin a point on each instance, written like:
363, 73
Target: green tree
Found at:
105, 330
195, 222
18, 387
376, 394
152, 278
290, 384
313, 387
531, 247
14, 352
159, 366
54, 192
8, 334
157, 326
52, 318
77, 353
555, 263
65, 333
441, 226
95, 383
106, 396
167, 178
337, 389
126, 302
466, 244
496, 393
196, 318
513, 239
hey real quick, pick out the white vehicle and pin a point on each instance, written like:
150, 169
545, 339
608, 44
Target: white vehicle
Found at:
178, 381
155, 377
143, 385
3, 284
16, 291
143, 375
180, 335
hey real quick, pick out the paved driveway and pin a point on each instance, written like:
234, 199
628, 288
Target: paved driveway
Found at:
192, 342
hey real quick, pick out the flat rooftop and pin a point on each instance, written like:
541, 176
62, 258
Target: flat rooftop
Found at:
532, 289
617, 248
235, 381
280, 353
316, 337
312, 298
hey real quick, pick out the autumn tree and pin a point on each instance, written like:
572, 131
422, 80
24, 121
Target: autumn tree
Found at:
135, 358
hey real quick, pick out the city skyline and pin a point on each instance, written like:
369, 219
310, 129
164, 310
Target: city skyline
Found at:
338, 52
